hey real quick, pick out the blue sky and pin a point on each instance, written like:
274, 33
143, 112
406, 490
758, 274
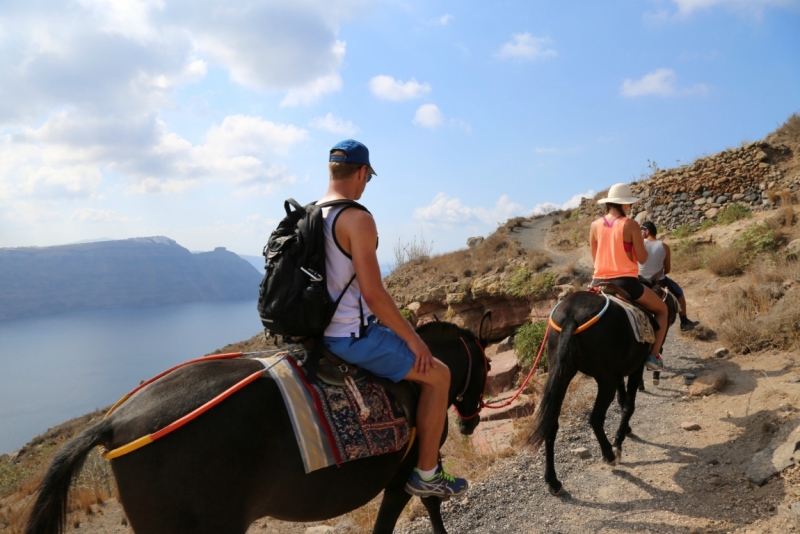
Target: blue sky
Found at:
194, 120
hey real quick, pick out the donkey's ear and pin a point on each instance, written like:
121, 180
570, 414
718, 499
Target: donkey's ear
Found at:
485, 329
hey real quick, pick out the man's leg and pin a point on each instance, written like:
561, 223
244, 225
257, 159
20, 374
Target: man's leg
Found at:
431, 412
677, 290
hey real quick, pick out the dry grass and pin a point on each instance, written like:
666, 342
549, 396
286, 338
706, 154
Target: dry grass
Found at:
783, 218
688, 255
493, 255
763, 313
571, 233
789, 131
727, 262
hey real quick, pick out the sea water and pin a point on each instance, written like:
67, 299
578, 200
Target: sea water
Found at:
58, 367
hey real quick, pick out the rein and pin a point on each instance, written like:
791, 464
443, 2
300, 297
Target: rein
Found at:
550, 324
482, 404
150, 438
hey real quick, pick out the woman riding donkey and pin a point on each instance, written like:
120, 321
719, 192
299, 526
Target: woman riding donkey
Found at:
617, 250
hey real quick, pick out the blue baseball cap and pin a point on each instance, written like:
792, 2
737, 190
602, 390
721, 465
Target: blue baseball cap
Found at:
355, 152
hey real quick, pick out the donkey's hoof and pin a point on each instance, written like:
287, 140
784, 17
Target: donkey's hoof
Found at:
656, 381
617, 455
612, 461
557, 492
628, 431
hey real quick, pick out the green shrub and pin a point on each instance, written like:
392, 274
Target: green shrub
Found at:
733, 213
756, 240
525, 282
684, 230
708, 223
527, 341
407, 315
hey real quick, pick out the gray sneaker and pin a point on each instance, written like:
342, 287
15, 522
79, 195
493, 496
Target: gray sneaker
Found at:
441, 485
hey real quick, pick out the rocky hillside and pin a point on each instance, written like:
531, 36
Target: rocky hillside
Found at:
150, 271
760, 175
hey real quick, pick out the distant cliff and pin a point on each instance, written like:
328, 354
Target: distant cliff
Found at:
147, 271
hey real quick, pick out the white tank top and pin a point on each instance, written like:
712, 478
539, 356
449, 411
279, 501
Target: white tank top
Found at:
339, 270
656, 254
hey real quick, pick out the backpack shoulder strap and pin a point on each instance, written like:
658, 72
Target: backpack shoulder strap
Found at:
342, 202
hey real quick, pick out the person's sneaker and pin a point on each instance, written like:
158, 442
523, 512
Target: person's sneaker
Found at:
440, 485
689, 325
654, 363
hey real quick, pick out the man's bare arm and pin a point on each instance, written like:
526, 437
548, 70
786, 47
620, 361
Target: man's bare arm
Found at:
359, 235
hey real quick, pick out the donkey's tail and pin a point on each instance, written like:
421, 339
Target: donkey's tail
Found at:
49, 513
561, 372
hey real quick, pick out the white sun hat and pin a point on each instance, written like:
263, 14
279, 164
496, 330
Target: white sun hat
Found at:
619, 194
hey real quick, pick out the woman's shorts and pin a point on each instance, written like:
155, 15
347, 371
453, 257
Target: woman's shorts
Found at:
630, 284
380, 351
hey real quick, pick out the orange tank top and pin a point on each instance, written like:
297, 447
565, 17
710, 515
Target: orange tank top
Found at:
611, 260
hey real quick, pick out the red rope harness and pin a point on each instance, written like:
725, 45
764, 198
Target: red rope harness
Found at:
482, 404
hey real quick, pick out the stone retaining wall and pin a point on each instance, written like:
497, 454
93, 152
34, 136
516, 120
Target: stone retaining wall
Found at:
694, 193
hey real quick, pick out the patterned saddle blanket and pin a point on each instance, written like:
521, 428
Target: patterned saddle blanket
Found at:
641, 323
335, 424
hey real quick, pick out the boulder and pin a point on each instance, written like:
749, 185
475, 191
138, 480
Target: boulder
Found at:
564, 290
474, 241
777, 456
641, 217
488, 286
793, 248
506, 345
581, 452
721, 352
523, 406
493, 437
711, 213
708, 382
504, 365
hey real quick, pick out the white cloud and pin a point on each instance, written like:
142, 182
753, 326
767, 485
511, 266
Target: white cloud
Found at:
96, 215
687, 7
387, 88
444, 20
574, 202
450, 211
86, 82
526, 46
69, 156
660, 82
312, 92
333, 124
428, 116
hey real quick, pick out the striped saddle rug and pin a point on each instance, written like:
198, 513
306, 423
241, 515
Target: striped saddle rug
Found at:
335, 424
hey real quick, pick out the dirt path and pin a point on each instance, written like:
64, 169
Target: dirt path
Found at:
670, 480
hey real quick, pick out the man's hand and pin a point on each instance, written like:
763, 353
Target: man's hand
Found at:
425, 359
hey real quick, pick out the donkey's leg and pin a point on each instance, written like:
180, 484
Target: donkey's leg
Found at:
394, 500
559, 392
622, 395
605, 396
434, 507
627, 412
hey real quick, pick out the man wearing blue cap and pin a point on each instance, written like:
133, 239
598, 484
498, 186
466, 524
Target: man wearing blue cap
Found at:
396, 351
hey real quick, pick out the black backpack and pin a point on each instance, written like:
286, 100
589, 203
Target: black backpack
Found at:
293, 300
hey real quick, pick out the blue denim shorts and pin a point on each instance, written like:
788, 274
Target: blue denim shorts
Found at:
380, 351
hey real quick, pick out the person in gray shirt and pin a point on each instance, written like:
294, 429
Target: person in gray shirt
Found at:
658, 265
